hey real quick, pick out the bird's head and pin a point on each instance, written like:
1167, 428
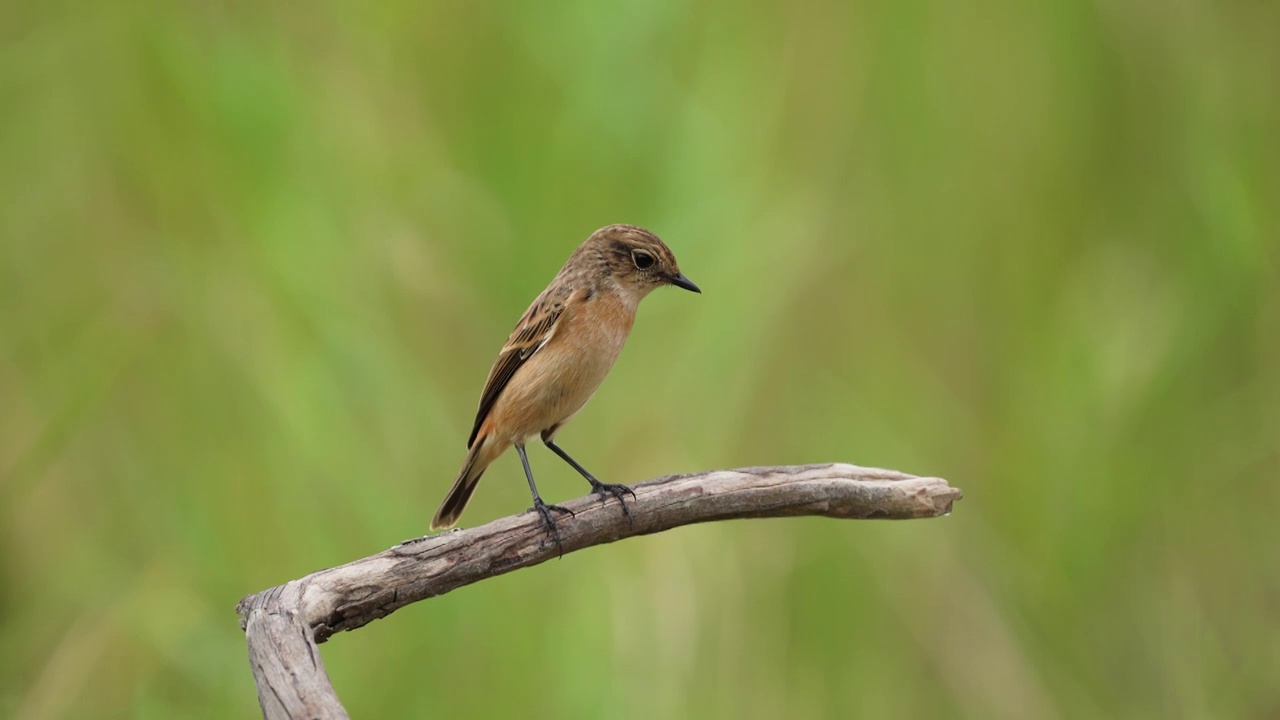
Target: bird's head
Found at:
637, 260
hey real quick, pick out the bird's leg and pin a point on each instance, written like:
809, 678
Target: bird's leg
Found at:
601, 489
540, 507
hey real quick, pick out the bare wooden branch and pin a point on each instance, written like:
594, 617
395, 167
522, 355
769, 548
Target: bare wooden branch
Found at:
284, 624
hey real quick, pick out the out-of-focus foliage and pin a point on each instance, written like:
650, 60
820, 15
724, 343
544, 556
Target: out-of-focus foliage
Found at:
256, 258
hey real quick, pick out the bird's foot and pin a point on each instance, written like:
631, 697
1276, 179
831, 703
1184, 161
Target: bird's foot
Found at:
604, 490
549, 520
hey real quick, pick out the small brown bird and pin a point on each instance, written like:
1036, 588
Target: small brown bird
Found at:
558, 355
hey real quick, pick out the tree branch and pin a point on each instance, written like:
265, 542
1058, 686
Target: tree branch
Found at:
284, 624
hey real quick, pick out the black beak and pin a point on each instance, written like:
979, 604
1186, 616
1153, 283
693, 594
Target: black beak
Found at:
681, 281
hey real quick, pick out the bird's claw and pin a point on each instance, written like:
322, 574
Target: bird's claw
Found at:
604, 490
549, 522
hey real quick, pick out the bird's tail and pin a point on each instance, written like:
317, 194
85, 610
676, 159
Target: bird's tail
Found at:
483, 451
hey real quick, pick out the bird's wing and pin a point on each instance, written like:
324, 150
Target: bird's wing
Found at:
531, 334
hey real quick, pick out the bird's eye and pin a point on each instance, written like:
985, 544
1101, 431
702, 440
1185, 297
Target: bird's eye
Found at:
642, 259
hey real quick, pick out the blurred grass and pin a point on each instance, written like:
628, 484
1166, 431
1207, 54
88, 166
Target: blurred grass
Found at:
255, 260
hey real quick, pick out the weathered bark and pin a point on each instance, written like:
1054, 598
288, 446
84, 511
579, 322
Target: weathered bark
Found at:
284, 624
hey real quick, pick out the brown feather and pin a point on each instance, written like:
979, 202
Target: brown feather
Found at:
529, 335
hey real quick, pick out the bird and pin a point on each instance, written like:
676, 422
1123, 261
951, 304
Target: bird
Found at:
556, 357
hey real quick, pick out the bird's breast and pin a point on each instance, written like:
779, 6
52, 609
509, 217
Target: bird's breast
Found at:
581, 354
559, 379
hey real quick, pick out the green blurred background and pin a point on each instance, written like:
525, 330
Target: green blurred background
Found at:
256, 259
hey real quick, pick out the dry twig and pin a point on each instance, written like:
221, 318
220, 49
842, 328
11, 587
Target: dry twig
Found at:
284, 624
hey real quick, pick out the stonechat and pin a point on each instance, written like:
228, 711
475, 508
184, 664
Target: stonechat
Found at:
558, 355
